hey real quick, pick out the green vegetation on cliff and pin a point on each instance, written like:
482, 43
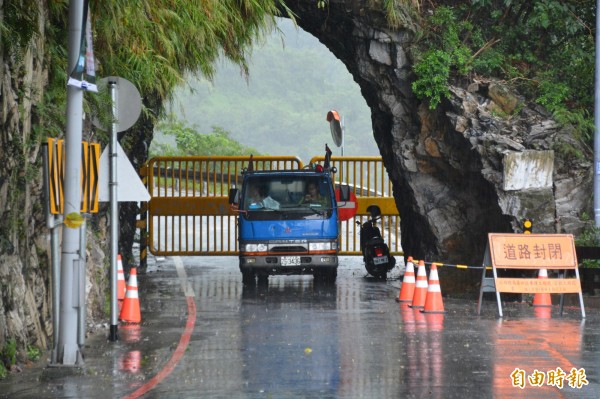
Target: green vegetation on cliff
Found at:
544, 48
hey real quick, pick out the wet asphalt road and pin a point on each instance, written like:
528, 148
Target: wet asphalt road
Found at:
204, 335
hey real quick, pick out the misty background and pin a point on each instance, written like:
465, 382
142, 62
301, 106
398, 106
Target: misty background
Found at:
281, 108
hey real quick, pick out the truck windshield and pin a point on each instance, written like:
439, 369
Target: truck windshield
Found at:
287, 197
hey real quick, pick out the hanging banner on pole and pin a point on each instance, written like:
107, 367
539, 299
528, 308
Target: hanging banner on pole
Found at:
85, 62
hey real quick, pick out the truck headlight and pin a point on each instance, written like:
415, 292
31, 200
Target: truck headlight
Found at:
320, 246
254, 247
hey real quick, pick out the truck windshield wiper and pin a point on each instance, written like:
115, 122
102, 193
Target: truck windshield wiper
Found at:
319, 210
275, 210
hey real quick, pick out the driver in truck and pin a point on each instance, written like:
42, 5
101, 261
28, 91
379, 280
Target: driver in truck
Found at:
259, 197
313, 196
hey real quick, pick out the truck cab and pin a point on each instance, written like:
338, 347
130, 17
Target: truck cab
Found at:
282, 229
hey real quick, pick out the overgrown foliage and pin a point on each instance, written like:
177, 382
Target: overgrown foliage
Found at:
8, 357
17, 28
545, 48
153, 44
33, 353
400, 13
589, 237
447, 55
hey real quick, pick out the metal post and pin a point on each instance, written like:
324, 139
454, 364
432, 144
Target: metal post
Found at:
81, 282
597, 123
68, 350
52, 224
114, 214
343, 135
55, 249
144, 231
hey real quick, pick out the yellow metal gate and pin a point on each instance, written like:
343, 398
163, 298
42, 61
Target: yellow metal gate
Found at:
369, 180
189, 214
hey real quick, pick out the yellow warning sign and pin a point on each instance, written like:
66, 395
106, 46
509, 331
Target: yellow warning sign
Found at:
90, 161
532, 251
56, 174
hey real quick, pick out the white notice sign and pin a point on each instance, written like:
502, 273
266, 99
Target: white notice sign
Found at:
129, 185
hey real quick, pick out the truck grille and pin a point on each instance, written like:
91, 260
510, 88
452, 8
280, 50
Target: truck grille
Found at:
288, 249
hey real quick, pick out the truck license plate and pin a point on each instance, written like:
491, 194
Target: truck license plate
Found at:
290, 261
380, 259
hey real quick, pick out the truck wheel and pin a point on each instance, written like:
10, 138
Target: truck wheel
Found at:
248, 278
263, 279
327, 277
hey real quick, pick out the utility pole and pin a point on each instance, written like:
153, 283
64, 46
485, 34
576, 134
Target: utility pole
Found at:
597, 123
68, 349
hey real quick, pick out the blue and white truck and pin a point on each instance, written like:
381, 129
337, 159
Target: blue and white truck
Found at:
280, 229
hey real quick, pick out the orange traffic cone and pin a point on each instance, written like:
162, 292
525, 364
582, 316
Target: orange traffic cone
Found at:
121, 289
542, 298
420, 294
433, 302
407, 290
130, 311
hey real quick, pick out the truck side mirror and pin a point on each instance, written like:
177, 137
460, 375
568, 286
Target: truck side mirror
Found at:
234, 196
344, 193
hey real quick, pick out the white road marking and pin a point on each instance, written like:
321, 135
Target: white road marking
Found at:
185, 284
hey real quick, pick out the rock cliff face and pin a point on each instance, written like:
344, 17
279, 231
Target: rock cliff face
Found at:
25, 272
481, 162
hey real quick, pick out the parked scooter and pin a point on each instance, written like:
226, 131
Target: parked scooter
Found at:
376, 253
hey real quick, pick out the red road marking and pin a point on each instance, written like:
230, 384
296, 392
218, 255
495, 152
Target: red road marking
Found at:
177, 355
